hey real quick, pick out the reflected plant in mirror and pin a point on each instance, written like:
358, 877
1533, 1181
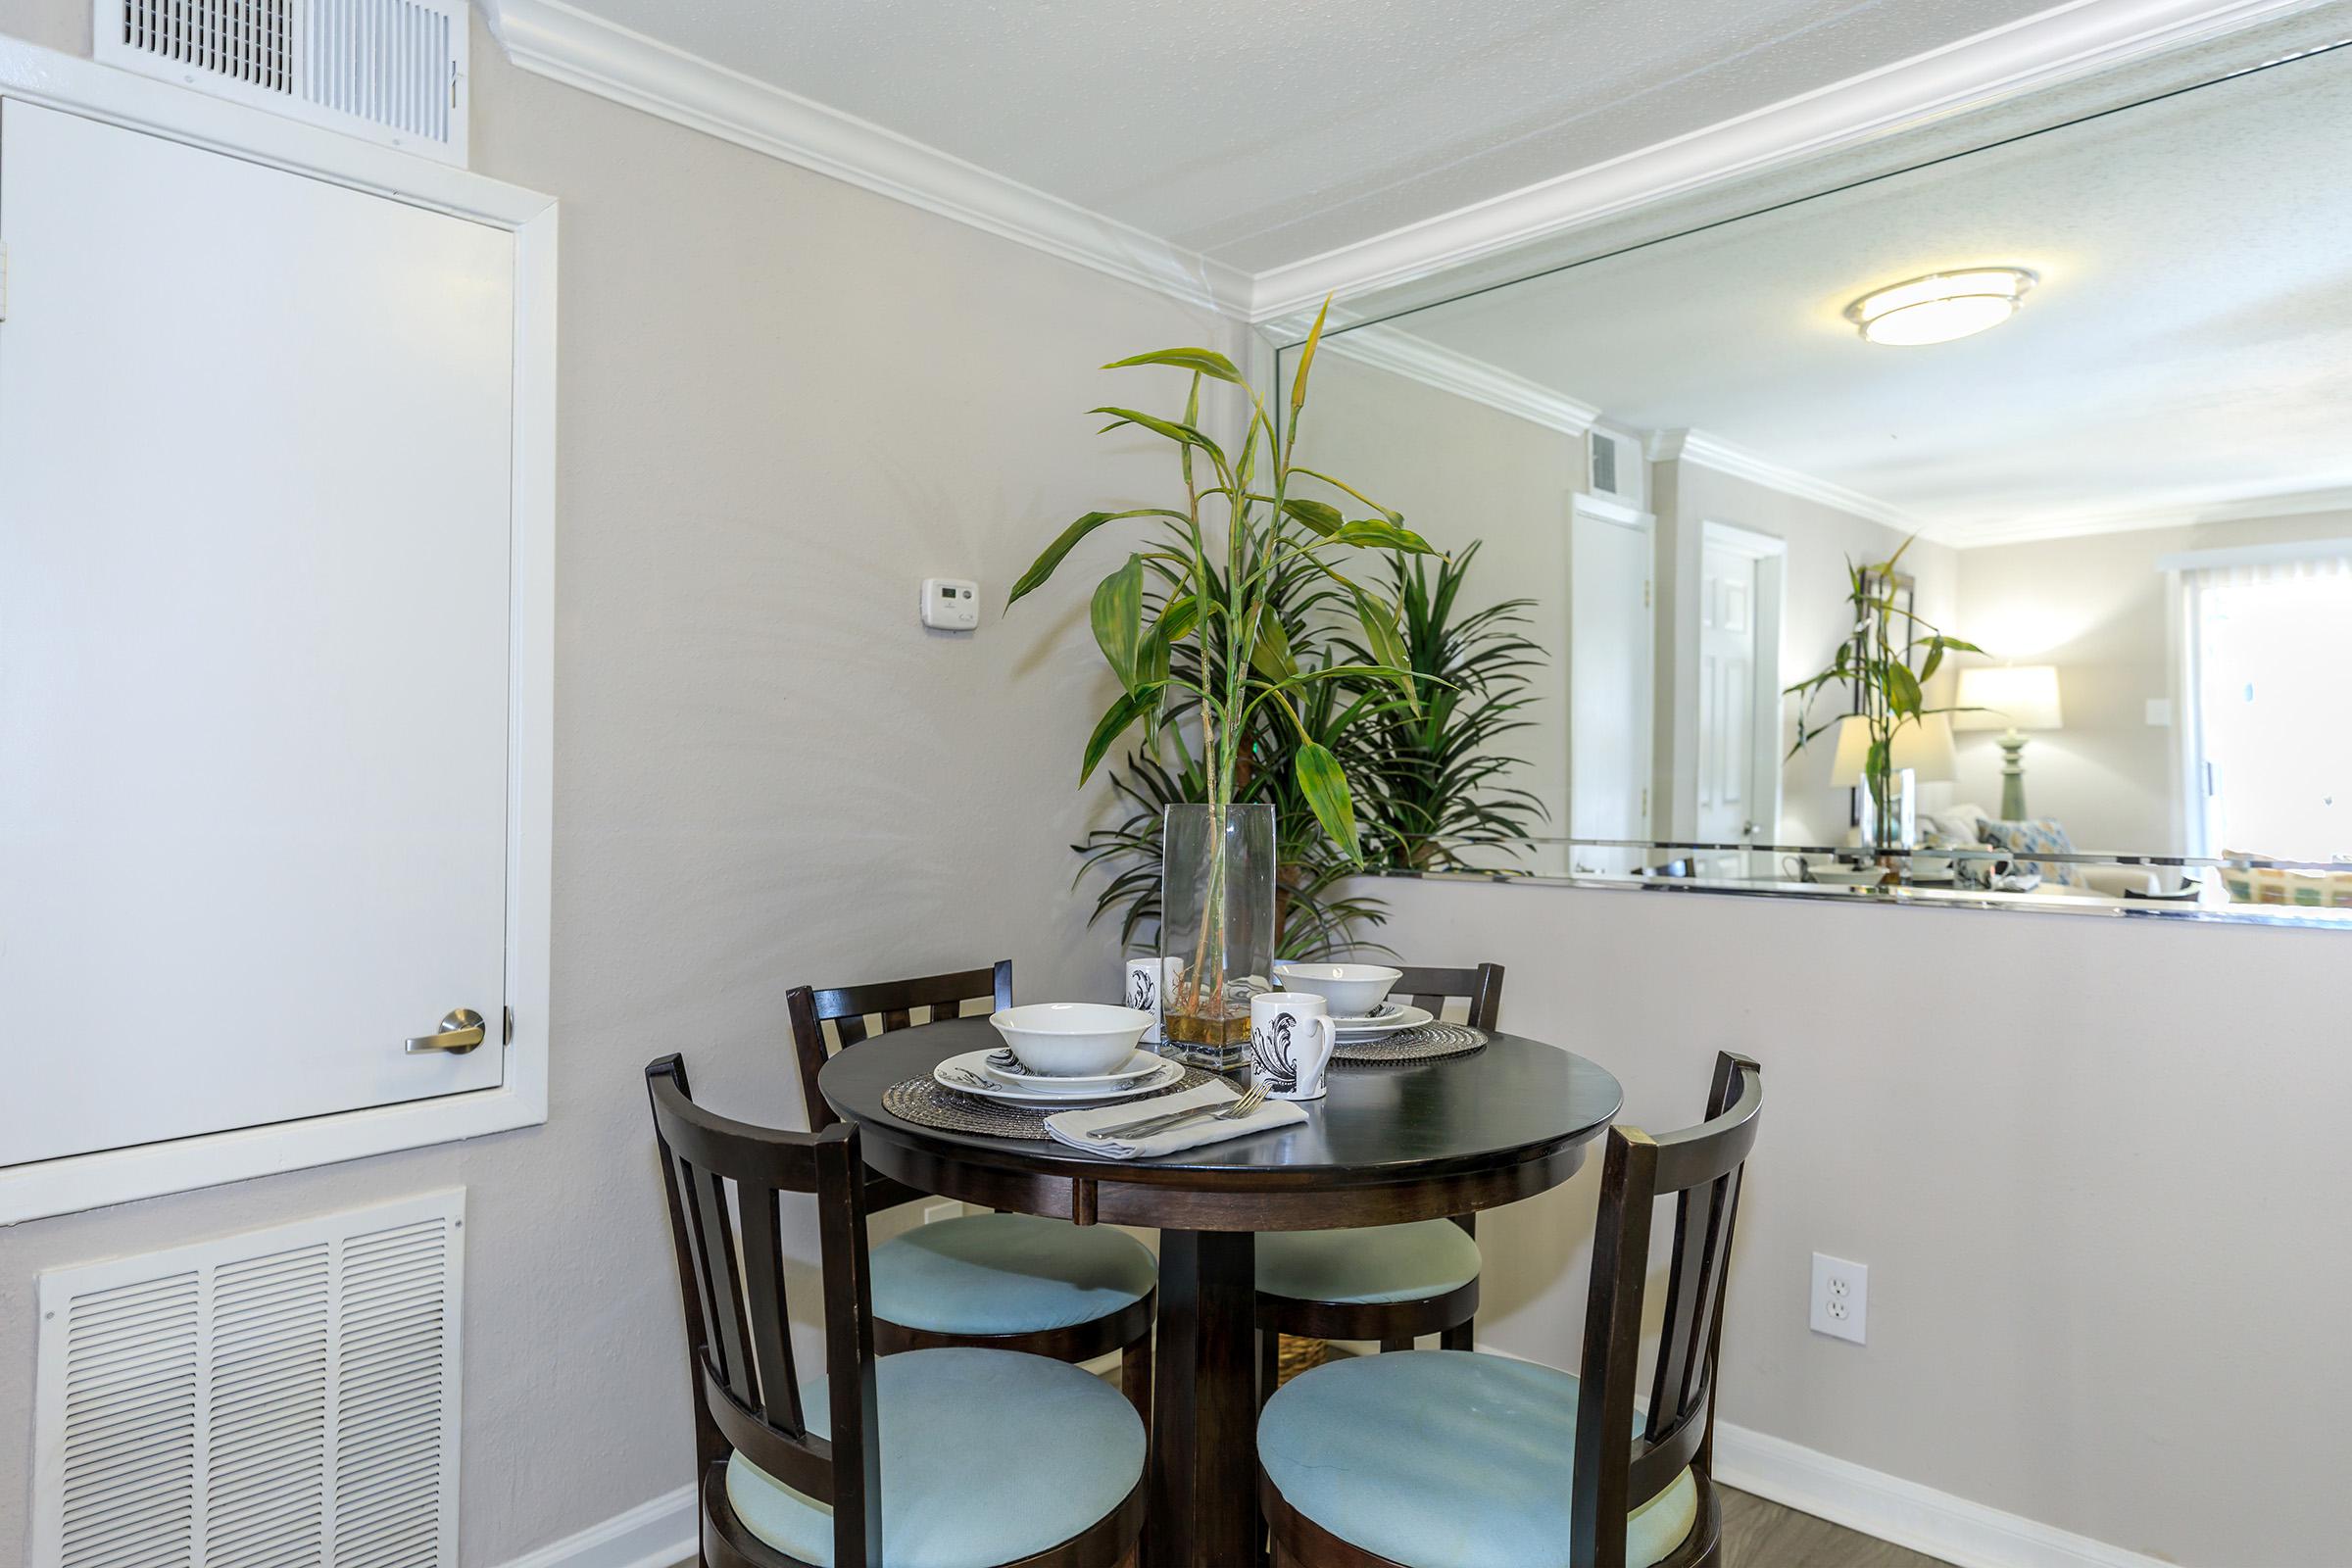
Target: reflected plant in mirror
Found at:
1886, 666
1438, 774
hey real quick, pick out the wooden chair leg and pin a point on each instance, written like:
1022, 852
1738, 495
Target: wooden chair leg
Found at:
1397, 1342
1135, 1377
1457, 1338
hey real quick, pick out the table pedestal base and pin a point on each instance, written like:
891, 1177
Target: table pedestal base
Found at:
1203, 1511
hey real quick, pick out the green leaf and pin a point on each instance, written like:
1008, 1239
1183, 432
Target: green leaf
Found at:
1383, 536
1042, 568
1342, 484
1935, 661
1306, 357
1322, 517
1117, 614
1202, 361
1177, 619
1379, 621
1270, 656
1173, 429
1902, 689
1324, 783
1122, 714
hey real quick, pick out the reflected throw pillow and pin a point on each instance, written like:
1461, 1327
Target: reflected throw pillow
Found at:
2043, 836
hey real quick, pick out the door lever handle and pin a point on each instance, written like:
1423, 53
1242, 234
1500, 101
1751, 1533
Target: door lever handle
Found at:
460, 1032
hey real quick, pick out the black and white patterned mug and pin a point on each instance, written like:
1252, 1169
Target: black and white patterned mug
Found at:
1149, 982
1290, 1042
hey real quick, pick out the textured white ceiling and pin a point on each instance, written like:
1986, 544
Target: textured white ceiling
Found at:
2191, 338
1263, 135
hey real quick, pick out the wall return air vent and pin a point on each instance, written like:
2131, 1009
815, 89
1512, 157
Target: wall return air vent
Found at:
388, 70
284, 1398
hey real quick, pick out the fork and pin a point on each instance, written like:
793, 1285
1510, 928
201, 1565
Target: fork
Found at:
1252, 1098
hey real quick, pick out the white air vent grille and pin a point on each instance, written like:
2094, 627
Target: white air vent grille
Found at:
281, 1399
392, 71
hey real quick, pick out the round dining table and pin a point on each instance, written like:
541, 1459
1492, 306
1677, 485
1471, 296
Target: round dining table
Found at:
1391, 1142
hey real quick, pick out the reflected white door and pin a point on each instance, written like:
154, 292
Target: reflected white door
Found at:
1610, 662
255, 440
1739, 695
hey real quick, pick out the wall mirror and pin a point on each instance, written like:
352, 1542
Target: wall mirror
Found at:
2079, 397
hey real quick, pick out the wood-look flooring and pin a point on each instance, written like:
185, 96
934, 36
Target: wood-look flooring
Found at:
1764, 1535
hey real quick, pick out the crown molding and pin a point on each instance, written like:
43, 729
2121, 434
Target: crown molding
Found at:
1713, 452
565, 44
2081, 526
1450, 371
2067, 42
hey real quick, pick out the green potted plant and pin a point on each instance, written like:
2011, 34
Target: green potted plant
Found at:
1248, 522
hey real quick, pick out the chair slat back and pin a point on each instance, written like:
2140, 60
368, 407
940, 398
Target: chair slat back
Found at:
1700, 1168
847, 1008
1432, 989
726, 1181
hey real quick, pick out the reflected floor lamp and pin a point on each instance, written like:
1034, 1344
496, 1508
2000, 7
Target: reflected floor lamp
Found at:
2016, 697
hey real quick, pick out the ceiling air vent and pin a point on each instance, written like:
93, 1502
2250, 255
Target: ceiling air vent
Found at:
389, 70
286, 1398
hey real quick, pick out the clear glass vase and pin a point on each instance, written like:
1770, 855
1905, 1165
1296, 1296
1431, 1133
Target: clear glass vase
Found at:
1216, 928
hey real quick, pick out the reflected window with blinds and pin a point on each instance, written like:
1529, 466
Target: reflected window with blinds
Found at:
2268, 751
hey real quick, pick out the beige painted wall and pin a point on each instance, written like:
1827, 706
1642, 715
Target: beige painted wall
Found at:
783, 401
2094, 1165
1815, 619
1461, 470
2099, 609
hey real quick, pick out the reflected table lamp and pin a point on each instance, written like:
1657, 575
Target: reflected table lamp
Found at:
1922, 754
2013, 698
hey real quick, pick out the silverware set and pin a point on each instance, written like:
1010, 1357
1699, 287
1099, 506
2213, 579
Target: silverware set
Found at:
1252, 1098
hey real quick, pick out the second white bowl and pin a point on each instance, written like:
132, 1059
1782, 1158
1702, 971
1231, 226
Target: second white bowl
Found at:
1071, 1039
1352, 989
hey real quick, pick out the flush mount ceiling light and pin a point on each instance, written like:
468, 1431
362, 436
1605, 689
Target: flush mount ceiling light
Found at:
1941, 305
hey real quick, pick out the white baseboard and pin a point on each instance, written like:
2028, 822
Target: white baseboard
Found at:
1968, 1533
655, 1533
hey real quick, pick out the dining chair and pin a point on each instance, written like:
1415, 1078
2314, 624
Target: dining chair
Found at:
1383, 1282
917, 1458
1441, 1459
1007, 1282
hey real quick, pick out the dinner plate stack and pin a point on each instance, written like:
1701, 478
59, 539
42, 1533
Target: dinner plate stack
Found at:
1389, 1017
1000, 1076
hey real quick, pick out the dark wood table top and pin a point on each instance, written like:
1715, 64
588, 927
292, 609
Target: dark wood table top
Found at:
1390, 1141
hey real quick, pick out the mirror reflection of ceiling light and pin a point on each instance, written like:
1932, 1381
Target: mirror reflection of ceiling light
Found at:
1941, 305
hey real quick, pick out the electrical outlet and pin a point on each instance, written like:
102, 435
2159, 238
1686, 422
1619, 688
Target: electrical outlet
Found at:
1841, 1297
933, 1213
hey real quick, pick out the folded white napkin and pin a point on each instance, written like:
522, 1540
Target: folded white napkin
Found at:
1071, 1126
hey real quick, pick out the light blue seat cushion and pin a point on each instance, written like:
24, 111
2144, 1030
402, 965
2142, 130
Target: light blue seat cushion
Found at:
1007, 1274
1445, 1459
988, 1456
1378, 1264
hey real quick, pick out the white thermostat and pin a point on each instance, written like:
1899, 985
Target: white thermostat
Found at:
952, 603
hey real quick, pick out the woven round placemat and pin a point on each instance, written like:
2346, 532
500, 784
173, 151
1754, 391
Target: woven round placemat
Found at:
1429, 1040
927, 1103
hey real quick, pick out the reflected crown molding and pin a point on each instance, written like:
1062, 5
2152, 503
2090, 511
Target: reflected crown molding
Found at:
1713, 452
560, 40
1417, 359
566, 44
2160, 514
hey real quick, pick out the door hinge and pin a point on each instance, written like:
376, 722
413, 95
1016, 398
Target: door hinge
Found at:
1645, 806
3, 280
1646, 593
507, 1031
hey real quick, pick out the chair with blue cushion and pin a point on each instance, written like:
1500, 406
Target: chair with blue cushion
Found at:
1002, 1281
1388, 1282
895, 1461
1450, 1459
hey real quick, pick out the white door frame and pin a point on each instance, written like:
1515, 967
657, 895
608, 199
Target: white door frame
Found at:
1585, 507
1771, 555
55, 80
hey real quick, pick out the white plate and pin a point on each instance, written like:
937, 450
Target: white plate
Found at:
1407, 1017
987, 1088
1386, 1012
1006, 1068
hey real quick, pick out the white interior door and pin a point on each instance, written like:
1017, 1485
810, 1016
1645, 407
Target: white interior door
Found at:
1738, 771
1610, 664
255, 447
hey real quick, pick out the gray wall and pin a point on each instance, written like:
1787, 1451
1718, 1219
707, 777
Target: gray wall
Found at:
783, 401
2095, 1167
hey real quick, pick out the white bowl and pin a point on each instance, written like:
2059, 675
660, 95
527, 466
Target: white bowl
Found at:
1352, 989
1071, 1039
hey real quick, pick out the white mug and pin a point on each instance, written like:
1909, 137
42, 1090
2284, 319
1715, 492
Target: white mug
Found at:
1149, 982
1291, 1041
